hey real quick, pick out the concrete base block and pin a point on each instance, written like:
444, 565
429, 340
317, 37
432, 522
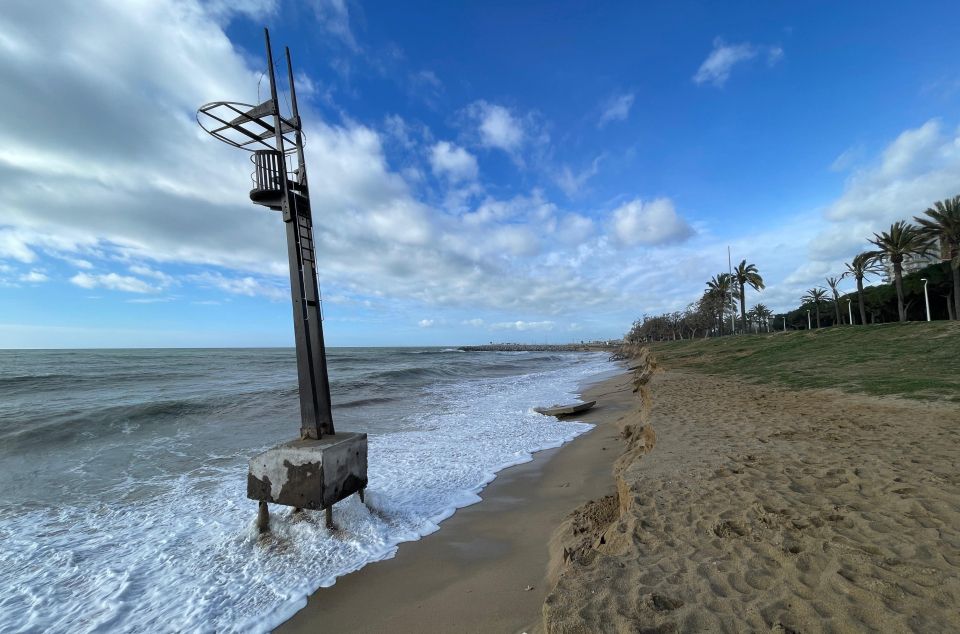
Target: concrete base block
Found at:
310, 474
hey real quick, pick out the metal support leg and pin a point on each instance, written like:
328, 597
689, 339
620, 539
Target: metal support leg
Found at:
360, 493
329, 512
263, 518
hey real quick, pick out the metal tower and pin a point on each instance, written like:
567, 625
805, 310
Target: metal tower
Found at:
275, 141
279, 180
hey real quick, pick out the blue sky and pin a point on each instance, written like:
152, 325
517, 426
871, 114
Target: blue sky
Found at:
484, 171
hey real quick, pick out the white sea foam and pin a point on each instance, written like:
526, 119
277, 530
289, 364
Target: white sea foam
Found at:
189, 558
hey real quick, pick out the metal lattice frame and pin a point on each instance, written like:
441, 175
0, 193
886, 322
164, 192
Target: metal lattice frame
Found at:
245, 126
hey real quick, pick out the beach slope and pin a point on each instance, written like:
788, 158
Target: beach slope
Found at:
749, 507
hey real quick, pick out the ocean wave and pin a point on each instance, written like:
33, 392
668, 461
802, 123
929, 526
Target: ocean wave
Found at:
441, 351
360, 402
185, 555
410, 373
32, 379
95, 423
61, 381
90, 423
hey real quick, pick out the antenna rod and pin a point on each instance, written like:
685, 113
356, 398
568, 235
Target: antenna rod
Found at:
314, 413
318, 348
302, 164
273, 99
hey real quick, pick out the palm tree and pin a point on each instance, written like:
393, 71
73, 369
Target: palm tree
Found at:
901, 241
719, 290
942, 223
763, 316
752, 317
815, 296
746, 275
832, 282
862, 266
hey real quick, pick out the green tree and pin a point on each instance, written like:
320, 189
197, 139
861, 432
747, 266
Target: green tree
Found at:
752, 318
815, 296
832, 282
746, 275
719, 289
941, 223
901, 241
862, 266
763, 315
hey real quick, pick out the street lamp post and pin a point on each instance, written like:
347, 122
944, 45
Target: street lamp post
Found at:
809, 323
850, 309
926, 297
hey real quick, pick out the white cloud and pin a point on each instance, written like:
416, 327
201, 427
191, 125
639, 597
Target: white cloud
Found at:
334, 18
648, 223
79, 263
498, 127
428, 77
425, 323
426, 86
397, 130
14, 245
571, 183
477, 322
533, 208
162, 278
574, 229
918, 167
452, 162
247, 285
514, 240
523, 325
617, 108
255, 9
34, 277
150, 300
113, 282
846, 159
138, 183
720, 62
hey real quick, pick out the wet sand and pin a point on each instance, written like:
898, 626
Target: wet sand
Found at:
473, 574
698, 503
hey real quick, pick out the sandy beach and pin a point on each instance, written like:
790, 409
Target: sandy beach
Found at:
473, 574
754, 508
697, 504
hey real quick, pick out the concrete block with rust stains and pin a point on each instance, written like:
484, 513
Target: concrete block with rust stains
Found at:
310, 474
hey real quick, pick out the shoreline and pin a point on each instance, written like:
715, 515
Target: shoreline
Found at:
475, 572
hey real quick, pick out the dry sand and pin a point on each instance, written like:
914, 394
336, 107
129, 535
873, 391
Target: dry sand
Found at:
473, 574
705, 505
751, 508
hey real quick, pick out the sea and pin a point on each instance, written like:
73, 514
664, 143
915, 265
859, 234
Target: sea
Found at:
123, 474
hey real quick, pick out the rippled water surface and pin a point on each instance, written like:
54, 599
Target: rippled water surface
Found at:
123, 502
